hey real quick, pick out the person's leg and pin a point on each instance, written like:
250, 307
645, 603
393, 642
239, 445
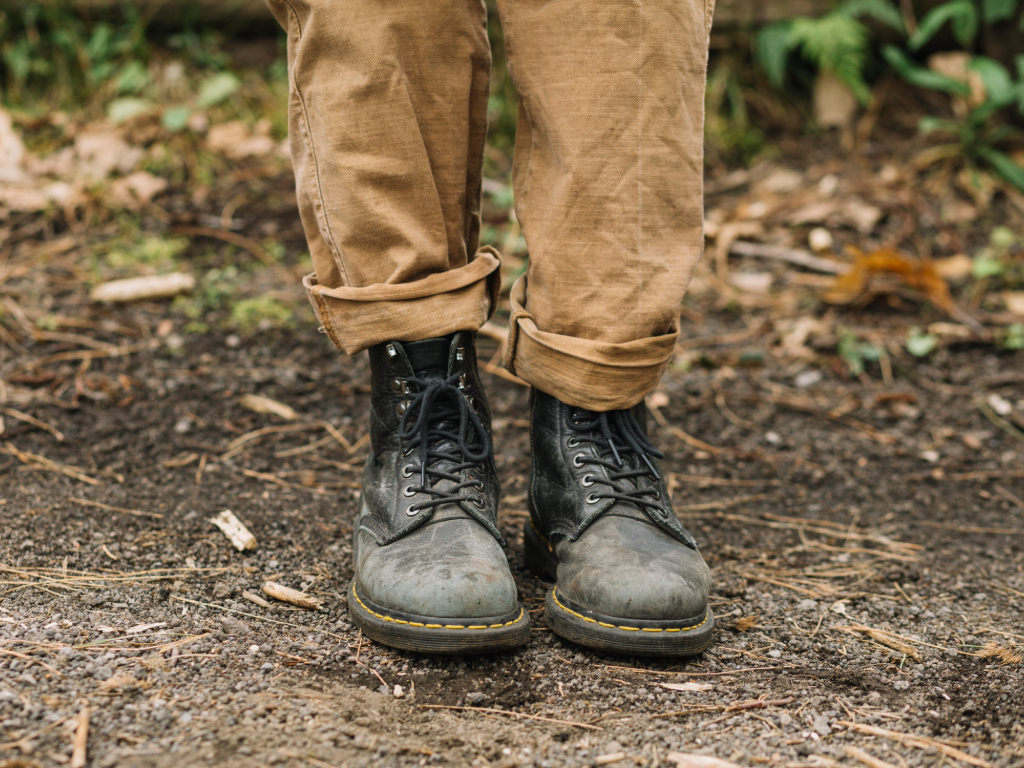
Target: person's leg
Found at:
388, 114
387, 121
608, 185
608, 182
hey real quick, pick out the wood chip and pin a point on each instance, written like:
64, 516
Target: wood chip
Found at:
614, 757
81, 739
256, 599
139, 288
289, 595
687, 760
262, 404
687, 686
233, 528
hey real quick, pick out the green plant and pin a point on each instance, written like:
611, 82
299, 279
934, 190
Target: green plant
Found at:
855, 353
837, 43
728, 128
920, 344
51, 50
260, 313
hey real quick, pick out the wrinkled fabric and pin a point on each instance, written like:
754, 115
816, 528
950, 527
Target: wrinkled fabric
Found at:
388, 116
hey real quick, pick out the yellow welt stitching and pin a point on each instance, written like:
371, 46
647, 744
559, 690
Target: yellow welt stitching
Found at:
516, 620
554, 596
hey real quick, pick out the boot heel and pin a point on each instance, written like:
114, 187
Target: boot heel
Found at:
536, 555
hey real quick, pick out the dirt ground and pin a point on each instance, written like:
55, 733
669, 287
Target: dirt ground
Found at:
865, 532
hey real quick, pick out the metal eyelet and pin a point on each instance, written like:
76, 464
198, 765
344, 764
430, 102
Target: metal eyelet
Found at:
471, 401
460, 354
572, 442
478, 503
577, 460
399, 385
402, 407
657, 495
407, 470
587, 481
392, 352
592, 499
462, 381
413, 510
408, 491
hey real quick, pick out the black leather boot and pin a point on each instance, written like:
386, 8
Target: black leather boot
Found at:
430, 572
628, 577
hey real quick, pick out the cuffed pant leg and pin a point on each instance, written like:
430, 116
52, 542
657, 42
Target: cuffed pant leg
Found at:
387, 122
608, 178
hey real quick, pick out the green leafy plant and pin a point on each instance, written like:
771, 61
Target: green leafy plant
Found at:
920, 344
855, 353
837, 43
983, 91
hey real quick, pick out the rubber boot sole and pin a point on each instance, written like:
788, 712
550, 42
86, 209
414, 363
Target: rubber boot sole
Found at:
628, 637
435, 635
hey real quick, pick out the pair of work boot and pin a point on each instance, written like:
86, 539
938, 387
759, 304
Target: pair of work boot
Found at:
430, 571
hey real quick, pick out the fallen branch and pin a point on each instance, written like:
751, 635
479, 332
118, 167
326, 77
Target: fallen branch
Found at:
293, 596
789, 255
920, 742
488, 710
99, 505
41, 462
81, 739
20, 416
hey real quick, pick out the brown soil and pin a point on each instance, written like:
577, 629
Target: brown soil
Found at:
822, 502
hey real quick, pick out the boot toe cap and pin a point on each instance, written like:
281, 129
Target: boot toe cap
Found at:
449, 570
628, 569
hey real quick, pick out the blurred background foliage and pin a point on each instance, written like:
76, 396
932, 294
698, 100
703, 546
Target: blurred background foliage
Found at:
794, 72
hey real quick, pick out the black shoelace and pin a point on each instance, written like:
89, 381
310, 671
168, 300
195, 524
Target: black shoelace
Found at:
624, 450
441, 426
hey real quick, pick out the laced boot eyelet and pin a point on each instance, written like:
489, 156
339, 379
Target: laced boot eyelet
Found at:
399, 386
592, 498
577, 460
413, 510
572, 442
408, 491
408, 470
477, 502
587, 481
402, 407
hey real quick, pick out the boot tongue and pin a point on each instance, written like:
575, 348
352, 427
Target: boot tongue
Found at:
430, 356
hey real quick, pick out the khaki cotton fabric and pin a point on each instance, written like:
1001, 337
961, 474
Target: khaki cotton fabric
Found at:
388, 113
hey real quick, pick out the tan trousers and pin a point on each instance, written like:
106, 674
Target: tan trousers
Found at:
388, 116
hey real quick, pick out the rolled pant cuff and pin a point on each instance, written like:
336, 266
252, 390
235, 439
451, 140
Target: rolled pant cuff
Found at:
596, 375
457, 300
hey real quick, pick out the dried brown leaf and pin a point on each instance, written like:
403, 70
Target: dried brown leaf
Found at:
917, 274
